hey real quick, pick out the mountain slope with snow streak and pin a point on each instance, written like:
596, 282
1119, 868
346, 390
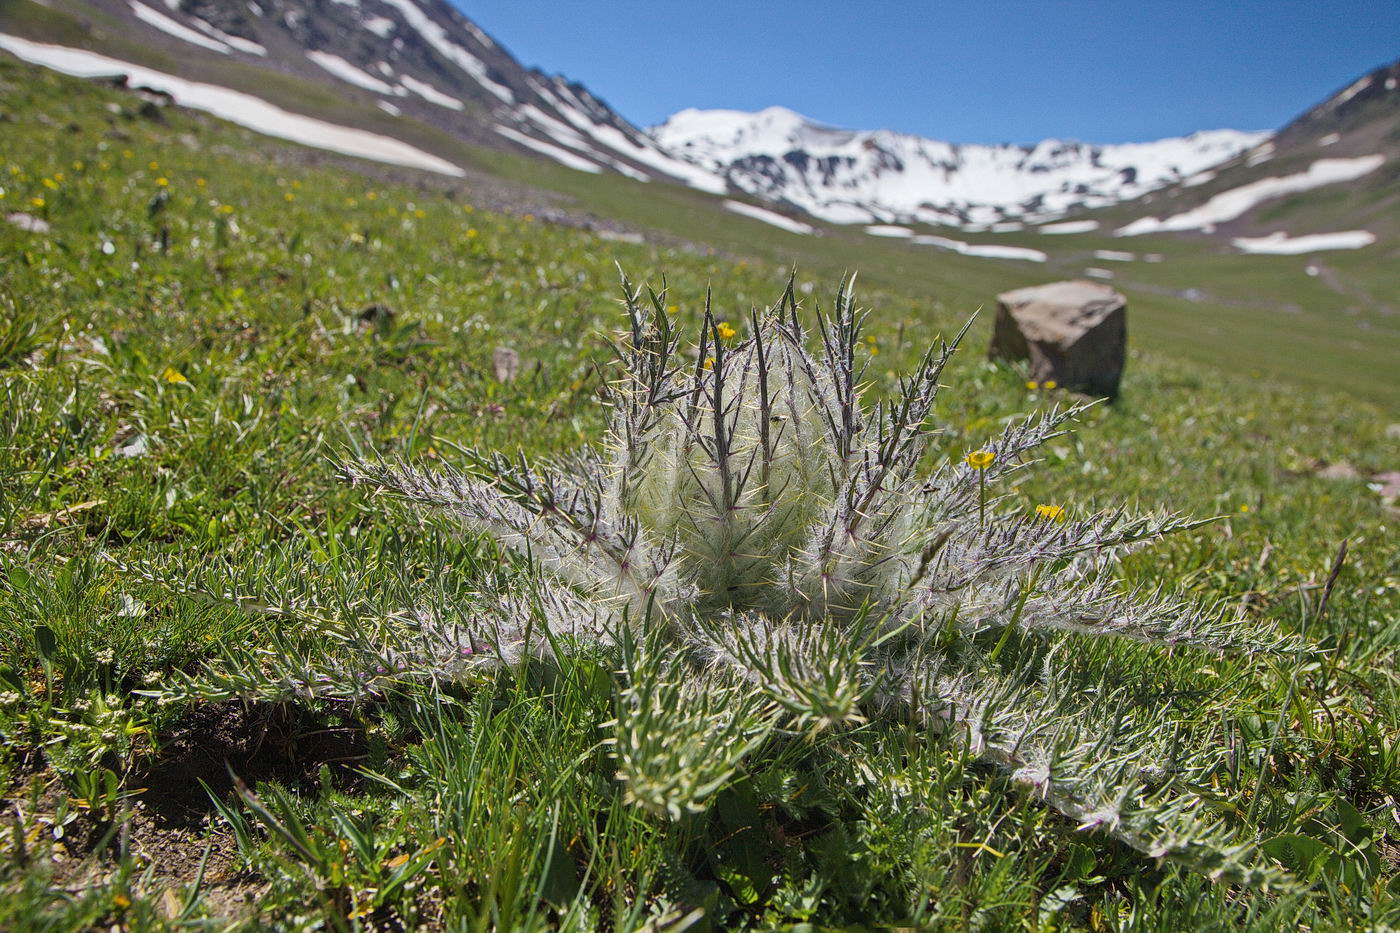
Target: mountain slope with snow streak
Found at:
419, 59
881, 176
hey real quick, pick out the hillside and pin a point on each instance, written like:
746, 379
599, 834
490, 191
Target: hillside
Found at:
212, 316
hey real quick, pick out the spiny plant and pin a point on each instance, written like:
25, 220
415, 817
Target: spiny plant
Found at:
766, 555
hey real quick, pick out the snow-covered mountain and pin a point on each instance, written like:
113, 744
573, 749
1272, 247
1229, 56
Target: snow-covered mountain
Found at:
880, 176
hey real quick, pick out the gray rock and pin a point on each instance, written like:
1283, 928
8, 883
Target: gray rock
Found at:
506, 362
1074, 333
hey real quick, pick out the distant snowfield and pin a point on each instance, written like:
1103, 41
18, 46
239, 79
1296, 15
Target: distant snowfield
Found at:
170, 27
1070, 226
234, 106
431, 94
349, 73
988, 251
557, 153
1228, 205
768, 217
1281, 244
889, 230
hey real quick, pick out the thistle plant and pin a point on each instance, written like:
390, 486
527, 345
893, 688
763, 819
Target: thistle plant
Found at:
768, 558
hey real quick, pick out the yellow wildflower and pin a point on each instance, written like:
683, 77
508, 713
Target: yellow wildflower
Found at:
50, 184
709, 362
173, 376
289, 197
420, 213
1051, 513
122, 901
980, 459
1051, 384
724, 330
1244, 508
153, 166
672, 309
1032, 385
37, 202
127, 154
200, 183
296, 184
59, 176
163, 182
372, 196
225, 208
77, 166
472, 233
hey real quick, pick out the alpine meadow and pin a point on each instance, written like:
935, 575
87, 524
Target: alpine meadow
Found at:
533, 547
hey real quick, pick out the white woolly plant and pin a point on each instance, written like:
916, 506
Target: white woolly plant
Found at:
764, 553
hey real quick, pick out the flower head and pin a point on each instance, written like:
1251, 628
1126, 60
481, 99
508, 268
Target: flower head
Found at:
1051, 513
980, 459
724, 330
1050, 384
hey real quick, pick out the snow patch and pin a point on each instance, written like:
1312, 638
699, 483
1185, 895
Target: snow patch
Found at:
1281, 244
1200, 178
889, 230
234, 106
237, 42
1228, 205
1070, 226
167, 25
1096, 273
1113, 255
558, 154
768, 217
381, 26
987, 251
431, 94
1329, 139
348, 72
388, 108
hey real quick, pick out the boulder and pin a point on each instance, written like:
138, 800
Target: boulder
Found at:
1074, 333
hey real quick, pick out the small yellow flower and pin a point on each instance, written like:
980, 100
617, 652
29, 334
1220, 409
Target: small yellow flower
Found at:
393, 212
59, 176
77, 166
289, 197
472, 233
1051, 384
163, 182
296, 184
50, 184
372, 196
127, 154
153, 166
122, 901
709, 362
725, 331
1244, 508
874, 350
200, 182
1051, 513
980, 459
104, 165
673, 309
173, 376
37, 202
420, 213
225, 208
1032, 385
351, 202
467, 209
529, 218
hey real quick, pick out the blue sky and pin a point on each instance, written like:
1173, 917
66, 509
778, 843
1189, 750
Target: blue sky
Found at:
991, 71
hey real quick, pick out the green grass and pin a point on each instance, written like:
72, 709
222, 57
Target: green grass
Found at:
185, 401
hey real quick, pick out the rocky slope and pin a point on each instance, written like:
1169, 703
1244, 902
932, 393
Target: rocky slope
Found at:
417, 58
